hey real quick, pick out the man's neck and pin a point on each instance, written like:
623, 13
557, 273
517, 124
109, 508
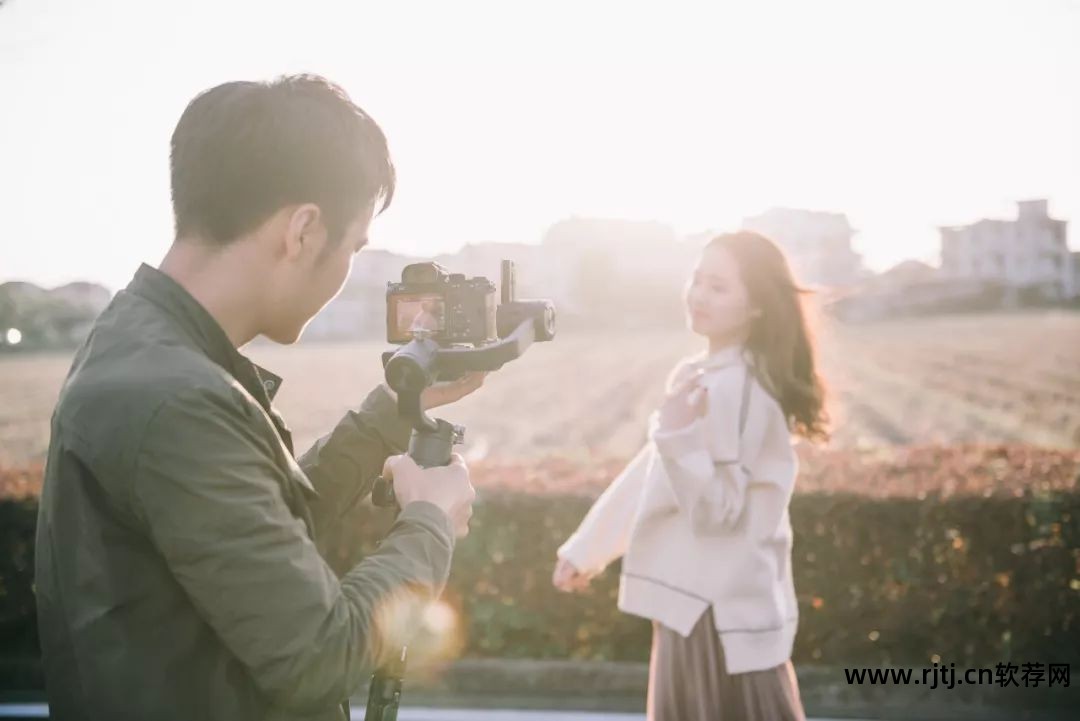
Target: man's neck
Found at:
218, 279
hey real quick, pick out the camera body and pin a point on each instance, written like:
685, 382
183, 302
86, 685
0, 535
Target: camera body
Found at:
448, 325
445, 307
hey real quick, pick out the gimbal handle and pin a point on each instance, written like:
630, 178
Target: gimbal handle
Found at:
429, 447
415, 366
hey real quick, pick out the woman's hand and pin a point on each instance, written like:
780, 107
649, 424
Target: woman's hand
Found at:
440, 394
685, 402
568, 579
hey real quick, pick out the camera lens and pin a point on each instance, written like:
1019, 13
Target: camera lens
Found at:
546, 323
404, 374
410, 368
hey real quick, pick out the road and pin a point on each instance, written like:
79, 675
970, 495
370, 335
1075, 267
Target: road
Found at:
41, 711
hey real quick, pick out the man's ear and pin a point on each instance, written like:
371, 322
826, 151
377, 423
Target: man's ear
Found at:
305, 231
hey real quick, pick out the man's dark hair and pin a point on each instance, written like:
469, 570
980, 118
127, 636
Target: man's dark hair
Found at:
242, 150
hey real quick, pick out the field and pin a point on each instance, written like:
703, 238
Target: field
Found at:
1011, 378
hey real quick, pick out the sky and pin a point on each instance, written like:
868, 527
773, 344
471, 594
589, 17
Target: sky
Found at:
505, 117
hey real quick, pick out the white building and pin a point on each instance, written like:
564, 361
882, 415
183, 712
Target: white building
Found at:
1028, 254
818, 244
630, 247
585, 258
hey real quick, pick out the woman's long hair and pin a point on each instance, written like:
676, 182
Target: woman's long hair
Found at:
780, 340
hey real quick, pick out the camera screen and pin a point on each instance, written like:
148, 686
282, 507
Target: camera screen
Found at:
417, 311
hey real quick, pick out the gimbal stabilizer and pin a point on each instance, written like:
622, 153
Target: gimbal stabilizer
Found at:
411, 369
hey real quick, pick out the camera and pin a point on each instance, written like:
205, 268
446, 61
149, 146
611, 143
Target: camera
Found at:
446, 307
431, 303
448, 325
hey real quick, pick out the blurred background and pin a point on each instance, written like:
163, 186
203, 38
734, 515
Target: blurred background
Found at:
919, 163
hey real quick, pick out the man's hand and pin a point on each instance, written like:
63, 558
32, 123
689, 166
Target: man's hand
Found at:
440, 394
448, 487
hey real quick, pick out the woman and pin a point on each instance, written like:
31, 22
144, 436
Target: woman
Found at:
701, 513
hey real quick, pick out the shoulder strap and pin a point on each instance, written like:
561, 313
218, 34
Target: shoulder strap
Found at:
744, 407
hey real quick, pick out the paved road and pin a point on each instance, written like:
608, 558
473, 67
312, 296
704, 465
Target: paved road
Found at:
427, 714
40, 711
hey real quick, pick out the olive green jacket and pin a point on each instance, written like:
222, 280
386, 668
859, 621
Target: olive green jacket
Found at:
179, 557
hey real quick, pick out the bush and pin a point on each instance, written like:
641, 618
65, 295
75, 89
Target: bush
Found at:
18, 616
971, 554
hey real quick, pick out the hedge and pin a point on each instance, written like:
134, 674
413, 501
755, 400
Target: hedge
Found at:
901, 558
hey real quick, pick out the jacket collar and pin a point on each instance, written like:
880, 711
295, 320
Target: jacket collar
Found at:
206, 333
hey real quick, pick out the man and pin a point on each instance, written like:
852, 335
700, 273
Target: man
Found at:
179, 573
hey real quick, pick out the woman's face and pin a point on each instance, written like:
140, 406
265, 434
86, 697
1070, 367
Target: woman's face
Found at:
717, 304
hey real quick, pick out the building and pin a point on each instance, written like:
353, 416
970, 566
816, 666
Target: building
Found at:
818, 244
911, 288
1029, 256
630, 248
608, 272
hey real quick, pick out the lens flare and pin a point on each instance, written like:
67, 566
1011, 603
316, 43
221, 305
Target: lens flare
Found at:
440, 619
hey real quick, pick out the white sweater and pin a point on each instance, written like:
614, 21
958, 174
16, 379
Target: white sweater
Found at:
701, 515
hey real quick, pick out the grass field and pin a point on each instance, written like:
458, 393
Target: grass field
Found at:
1005, 378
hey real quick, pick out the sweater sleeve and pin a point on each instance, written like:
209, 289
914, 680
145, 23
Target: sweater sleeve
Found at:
604, 534
706, 461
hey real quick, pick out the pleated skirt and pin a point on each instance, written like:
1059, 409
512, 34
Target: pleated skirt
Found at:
688, 682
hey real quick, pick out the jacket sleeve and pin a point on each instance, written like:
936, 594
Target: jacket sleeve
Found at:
706, 461
210, 496
343, 465
604, 534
